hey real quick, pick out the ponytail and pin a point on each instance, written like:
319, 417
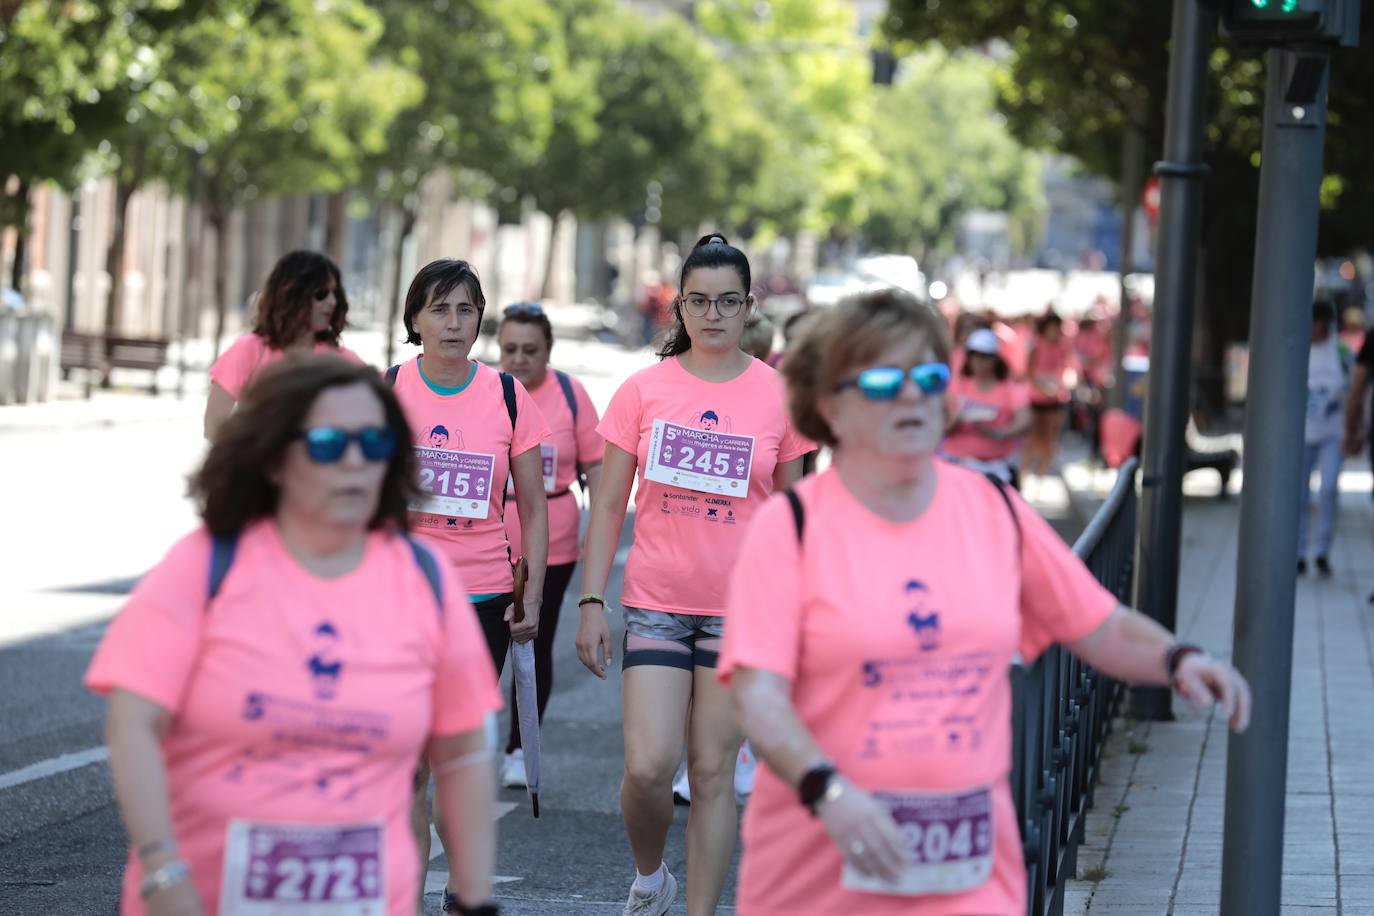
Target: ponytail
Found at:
712, 250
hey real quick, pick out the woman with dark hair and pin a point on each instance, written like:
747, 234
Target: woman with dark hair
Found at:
302, 307
571, 453
874, 616
1052, 371
264, 718
706, 434
492, 431
989, 412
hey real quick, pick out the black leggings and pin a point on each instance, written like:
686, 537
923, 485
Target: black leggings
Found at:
491, 614
556, 580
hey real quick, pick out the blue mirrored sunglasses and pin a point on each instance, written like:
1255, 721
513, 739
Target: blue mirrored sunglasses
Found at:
327, 444
524, 308
884, 383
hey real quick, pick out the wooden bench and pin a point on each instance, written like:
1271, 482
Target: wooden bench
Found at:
96, 354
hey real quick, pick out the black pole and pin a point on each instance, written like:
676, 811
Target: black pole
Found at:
1171, 331
1280, 335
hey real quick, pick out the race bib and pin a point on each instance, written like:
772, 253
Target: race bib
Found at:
548, 456
949, 842
303, 870
977, 412
455, 483
698, 459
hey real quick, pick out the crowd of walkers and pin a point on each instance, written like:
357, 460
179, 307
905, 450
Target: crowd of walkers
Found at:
295, 680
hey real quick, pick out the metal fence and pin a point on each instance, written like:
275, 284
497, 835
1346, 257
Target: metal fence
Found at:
1062, 714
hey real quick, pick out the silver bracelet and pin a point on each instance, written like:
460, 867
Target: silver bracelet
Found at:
169, 875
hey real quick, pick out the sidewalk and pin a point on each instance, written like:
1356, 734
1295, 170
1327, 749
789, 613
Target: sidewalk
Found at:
1154, 837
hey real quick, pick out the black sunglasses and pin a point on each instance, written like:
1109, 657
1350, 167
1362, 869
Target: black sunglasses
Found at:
327, 444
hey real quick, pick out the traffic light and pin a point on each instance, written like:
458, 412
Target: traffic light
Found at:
1292, 22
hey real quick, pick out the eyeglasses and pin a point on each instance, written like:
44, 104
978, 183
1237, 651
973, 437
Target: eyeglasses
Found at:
523, 308
727, 306
327, 444
884, 383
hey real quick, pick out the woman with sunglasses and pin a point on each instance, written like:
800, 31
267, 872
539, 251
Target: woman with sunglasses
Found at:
874, 614
302, 307
571, 453
989, 411
474, 428
264, 719
705, 432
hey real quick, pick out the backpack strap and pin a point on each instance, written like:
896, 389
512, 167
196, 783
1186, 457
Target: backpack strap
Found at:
391, 375
430, 567
222, 550
1001, 486
798, 512
508, 390
565, 382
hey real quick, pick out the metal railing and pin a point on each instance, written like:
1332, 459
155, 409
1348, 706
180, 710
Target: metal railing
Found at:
1061, 715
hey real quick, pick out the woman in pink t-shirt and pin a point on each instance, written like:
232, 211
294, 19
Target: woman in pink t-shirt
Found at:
870, 635
265, 720
302, 306
473, 429
571, 453
989, 412
706, 434
1052, 373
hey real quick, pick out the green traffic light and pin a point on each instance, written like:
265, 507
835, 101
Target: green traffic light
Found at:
1260, 4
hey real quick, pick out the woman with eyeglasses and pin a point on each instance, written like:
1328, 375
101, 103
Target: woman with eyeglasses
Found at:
705, 432
264, 718
875, 612
302, 307
571, 453
473, 428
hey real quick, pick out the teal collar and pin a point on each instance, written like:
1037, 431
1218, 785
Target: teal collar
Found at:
440, 389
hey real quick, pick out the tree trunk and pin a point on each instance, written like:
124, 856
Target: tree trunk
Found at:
1132, 167
219, 219
408, 216
546, 289
21, 237
114, 267
336, 226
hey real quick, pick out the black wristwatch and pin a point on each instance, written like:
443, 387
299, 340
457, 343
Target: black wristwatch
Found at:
813, 785
1177, 653
453, 905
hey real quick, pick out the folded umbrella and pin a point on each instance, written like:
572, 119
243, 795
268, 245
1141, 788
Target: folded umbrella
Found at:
526, 691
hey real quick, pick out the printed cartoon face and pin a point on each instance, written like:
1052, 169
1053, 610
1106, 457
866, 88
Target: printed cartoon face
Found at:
438, 438
324, 666
924, 623
709, 420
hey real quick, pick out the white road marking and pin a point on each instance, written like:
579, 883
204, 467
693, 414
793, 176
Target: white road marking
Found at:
437, 876
52, 766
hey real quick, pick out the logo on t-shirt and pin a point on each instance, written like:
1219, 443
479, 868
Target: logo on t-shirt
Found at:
924, 621
711, 421
324, 665
439, 436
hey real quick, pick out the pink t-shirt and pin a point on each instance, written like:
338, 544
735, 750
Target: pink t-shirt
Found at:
237, 365
475, 424
1048, 372
897, 640
570, 443
293, 700
687, 535
995, 407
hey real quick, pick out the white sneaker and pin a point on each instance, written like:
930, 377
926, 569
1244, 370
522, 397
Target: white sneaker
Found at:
513, 770
652, 904
682, 790
745, 765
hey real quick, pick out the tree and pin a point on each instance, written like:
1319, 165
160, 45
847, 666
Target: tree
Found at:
288, 100
945, 150
1075, 71
489, 71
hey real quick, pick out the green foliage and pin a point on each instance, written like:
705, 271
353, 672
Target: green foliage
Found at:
946, 150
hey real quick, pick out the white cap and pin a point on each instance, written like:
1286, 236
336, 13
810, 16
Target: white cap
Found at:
982, 341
